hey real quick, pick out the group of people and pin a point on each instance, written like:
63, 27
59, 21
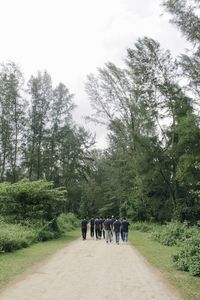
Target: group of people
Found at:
106, 228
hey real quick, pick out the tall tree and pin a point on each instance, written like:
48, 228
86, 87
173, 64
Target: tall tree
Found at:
185, 15
41, 93
60, 116
144, 105
12, 115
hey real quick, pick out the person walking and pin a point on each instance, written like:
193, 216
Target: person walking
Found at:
84, 228
121, 231
112, 220
125, 225
92, 227
97, 228
103, 231
116, 227
100, 227
108, 228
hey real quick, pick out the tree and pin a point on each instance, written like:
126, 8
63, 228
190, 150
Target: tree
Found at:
34, 201
185, 16
60, 117
40, 90
12, 121
144, 105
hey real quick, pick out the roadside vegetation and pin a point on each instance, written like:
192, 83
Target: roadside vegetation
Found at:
14, 263
16, 236
174, 250
32, 212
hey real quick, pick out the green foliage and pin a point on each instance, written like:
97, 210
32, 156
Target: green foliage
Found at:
31, 201
38, 138
15, 263
16, 236
160, 257
187, 239
13, 237
149, 166
67, 222
46, 234
185, 15
37, 209
46, 230
12, 121
144, 226
170, 234
187, 257
150, 170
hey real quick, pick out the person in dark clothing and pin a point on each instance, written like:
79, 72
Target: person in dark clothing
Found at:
92, 227
84, 228
108, 228
125, 225
121, 231
102, 227
97, 228
101, 230
112, 220
116, 227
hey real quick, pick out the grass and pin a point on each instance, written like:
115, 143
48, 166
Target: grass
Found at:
15, 263
160, 257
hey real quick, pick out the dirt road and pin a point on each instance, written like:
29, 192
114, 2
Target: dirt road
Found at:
92, 270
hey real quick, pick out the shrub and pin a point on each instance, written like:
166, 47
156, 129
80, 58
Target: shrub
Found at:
13, 237
46, 230
47, 234
187, 238
170, 234
187, 257
36, 200
144, 226
16, 236
67, 222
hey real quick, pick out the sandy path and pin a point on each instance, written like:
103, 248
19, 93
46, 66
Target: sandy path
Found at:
87, 270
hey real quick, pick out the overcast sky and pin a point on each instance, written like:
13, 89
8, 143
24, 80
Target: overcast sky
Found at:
71, 38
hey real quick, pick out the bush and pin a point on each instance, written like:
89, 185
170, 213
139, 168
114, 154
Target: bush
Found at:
47, 230
47, 234
187, 257
187, 238
13, 237
170, 234
31, 200
67, 222
33, 209
144, 226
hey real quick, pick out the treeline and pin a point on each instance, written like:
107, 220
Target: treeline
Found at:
43, 159
151, 169
38, 138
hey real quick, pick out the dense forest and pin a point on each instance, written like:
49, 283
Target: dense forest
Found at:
151, 168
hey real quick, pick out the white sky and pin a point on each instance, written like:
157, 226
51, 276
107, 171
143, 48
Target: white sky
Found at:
71, 38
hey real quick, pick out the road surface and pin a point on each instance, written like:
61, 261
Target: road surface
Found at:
92, 270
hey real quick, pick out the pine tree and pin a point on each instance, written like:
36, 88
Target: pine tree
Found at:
40, 90
12, 107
